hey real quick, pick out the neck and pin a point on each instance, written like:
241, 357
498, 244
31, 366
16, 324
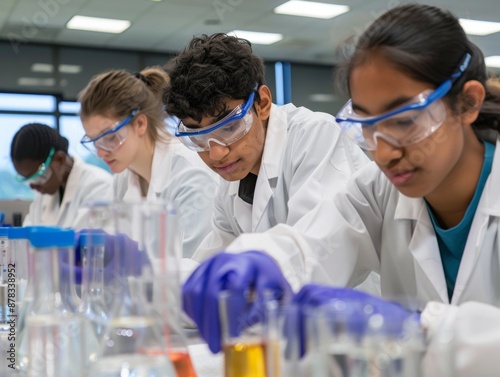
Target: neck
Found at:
142, 164
452, 198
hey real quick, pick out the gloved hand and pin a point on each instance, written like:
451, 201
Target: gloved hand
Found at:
122, 256
238, 273
358, 308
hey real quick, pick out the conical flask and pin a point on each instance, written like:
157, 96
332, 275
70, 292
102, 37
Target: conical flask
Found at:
133, 343
53, 334
93, 307
160, 223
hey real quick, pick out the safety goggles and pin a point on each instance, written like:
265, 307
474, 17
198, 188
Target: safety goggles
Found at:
225, 132
407, 124
43, 173
111, 139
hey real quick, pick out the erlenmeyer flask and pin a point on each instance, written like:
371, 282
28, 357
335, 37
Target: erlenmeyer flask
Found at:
133, 343
93, 307
51, 345
160, 223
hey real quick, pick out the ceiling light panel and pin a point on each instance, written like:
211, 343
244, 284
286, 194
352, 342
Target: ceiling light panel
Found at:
257, 37
97, 24
311, 9
476, 27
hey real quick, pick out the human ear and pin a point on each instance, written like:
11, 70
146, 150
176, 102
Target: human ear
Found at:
264, 106
141, 124
473, 94
59, 158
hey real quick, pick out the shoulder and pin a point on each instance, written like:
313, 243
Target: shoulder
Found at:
300, 118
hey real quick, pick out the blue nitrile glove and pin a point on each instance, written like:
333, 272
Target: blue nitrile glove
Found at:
358, 308
131, 259
249, 271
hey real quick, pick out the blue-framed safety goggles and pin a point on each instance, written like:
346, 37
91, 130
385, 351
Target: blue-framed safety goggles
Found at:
405, 125
111, 139
42, 174
225, 132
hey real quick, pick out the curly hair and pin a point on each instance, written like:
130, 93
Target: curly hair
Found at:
210, 71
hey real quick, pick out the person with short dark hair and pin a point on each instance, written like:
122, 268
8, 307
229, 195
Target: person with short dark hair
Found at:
64, 183
276, 163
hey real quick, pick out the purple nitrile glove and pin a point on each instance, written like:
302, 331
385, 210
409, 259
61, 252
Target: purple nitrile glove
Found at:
356, 310
122, 256
251, 271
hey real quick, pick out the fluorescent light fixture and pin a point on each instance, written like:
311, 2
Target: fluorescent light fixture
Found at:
102, 25
70, 68
492, 61
34, 81
257, 37
49, 68
42, 67
476, 27
311, 9
322, 97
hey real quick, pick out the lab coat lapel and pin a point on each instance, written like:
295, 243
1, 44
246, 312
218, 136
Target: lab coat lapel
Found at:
488, 207
133, 188
429, 274
49, 210
70, 190
162, 162
270, 167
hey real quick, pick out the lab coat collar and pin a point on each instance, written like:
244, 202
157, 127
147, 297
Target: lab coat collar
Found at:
492, 206
52, 211
161, 162
423, 244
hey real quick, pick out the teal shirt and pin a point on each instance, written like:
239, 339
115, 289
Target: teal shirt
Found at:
452, 241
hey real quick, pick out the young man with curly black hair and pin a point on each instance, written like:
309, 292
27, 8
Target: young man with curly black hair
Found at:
277, 163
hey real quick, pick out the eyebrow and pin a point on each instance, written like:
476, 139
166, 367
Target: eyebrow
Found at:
387, 107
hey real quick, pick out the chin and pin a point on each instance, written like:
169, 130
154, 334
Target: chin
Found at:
117, 169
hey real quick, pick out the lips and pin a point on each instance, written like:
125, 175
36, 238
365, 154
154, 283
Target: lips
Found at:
227, 168
399, 178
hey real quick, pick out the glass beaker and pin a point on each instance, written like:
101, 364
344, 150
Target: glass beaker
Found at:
19, 246
134, 343
245, 349
51, 344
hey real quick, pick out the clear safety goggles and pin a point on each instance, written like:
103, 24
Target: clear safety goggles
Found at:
43, 173
109, 140
407, 124
225, 132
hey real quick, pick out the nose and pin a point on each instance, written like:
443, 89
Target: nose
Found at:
386, 152
101, 153
218, 152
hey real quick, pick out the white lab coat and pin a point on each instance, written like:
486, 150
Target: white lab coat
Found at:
86, 183
306, 158
370, 226
178, 175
